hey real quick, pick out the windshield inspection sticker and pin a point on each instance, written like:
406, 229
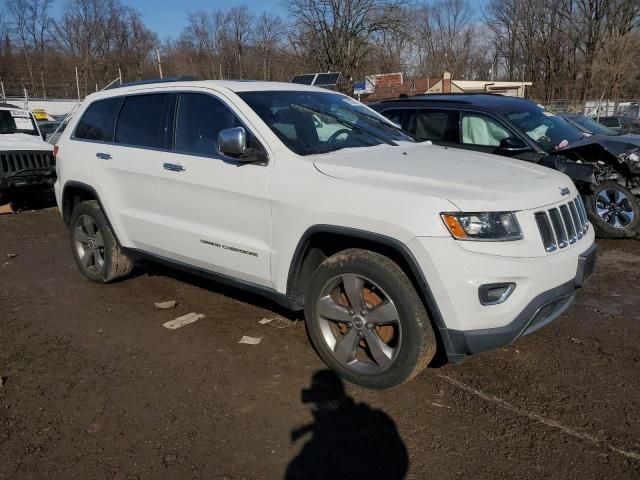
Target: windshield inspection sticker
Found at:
23, 123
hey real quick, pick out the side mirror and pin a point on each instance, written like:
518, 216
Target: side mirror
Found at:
233, 143
513, 144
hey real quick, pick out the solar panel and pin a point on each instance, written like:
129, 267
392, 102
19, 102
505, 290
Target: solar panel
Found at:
306, 79
327, 79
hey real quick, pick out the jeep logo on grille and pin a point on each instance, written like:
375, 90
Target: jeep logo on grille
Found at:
564, 191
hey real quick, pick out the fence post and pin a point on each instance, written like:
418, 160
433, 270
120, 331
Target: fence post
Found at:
159, 62
77, 83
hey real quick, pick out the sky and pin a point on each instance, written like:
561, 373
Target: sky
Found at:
168, 17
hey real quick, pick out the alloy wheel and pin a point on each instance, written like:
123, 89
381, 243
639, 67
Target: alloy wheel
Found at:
89, 243
614, 207
359, 323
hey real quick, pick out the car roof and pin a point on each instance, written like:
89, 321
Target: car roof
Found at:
236, 86
570, 114
486, 101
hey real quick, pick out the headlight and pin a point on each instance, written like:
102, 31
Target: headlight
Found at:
487, 226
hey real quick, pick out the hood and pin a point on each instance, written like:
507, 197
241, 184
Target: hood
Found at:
23, 141
472, 181
615, 145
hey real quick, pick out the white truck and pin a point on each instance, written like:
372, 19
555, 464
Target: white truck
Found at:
26, 160
391, 247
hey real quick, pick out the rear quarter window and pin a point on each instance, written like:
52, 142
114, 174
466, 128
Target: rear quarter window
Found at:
98, 120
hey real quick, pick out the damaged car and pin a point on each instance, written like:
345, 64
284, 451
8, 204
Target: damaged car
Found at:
604, 169
27, 164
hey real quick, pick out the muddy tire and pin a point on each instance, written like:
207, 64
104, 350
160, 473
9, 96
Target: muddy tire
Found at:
366, 320
95, 249
613, 211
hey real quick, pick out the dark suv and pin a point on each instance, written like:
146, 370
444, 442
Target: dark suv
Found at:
515, 127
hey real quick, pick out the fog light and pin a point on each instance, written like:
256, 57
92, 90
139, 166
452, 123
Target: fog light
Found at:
495, 293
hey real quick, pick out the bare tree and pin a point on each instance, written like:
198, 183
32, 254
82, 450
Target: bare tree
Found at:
268, 34
340, 34
100, 36
239, 22
447, 38
32, 26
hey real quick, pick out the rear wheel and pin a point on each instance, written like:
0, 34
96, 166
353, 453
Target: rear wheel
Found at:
613, 210
95, 249
366, 320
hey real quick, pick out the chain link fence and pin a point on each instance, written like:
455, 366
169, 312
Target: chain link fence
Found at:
621, 115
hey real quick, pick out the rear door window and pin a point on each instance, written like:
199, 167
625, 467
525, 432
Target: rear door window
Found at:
98, 120
434, 125
143, 120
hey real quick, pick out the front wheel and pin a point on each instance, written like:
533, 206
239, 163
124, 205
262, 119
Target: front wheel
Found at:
367, 321
613, 210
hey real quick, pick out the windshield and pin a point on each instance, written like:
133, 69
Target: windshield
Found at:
320, 122
545, 128
592, 126
16, 121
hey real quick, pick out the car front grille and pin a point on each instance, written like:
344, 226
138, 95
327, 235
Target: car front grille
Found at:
562, 226
18, 161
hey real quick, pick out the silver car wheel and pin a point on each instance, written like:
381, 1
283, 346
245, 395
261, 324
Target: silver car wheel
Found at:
614, 207
359, 323
89, 243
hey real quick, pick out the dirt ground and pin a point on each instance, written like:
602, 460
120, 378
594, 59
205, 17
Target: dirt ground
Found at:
95, 387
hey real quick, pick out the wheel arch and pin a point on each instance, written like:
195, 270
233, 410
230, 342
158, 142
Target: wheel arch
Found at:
74, 193
321, 241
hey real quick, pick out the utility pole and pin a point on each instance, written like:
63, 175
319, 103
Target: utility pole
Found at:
159, 62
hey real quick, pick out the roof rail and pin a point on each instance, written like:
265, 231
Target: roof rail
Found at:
151, 81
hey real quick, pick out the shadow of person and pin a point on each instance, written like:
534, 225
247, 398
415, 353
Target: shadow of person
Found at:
348, 440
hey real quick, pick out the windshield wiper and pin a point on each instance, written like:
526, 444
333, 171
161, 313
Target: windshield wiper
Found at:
377, 121
343, 122
8, 130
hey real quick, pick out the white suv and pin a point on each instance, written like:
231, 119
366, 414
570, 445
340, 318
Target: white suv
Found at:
314, 200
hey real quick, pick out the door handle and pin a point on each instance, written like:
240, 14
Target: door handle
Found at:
173, 167
103, 156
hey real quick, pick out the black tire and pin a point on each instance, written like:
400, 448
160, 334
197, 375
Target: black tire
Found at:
89, 224
617, 218
409, 340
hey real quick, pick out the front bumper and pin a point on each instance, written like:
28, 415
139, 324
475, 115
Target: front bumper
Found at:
468, 327
18, 180
541, 311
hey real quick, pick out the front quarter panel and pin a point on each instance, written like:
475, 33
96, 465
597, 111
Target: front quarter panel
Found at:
303, 197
